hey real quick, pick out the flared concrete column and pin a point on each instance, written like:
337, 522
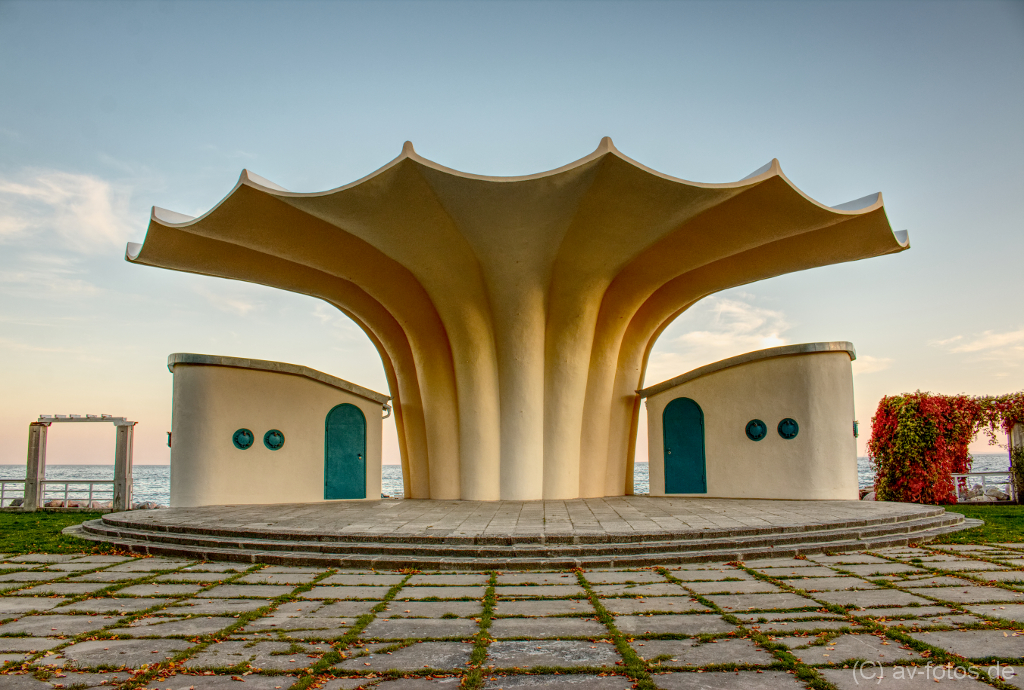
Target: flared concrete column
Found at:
35, 468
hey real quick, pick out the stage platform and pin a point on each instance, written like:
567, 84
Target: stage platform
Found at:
515, 535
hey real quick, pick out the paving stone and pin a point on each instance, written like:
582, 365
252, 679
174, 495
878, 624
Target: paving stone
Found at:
650, 590
431, 683
436, 609
346, 592
118, 653
248, 591
871, 598
747, 587
1002, 576
758, 602
976, 644
227, 682
42, 558
417, 628
182, 576
623, 605
800, 627
215, 568
546, 627
17, 605
315, 634
846, 647
24, 682
882, 569
934, 581
105, 576
72, 567
552, 681
353, 683
547, 607
623, 576
555, 653
8, 658
528, 591
73, 679
810, 571
64, 588
296, 569
684, 624
345, 609
694, 653
449, 579
57, 625
538, 578
951, 621
970, 565
900, 678
709, 575
266, 578
970, 594
903, 612
407, 593
848, 558
141, 565
158, 590
103, 559
213, 607
779, 563
276, 656
378, 579
28, 644
820, 584
176, 627
741, 680
1010, 612
439, 655
29, 576
114, 605
784, 616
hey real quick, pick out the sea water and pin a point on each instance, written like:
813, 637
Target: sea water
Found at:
153, 482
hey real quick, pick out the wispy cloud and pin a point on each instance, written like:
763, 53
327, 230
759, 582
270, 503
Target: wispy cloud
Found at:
231, 298
866, 364
714, 329
63, 210
1003, 350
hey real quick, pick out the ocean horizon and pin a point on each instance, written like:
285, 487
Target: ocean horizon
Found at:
152, 483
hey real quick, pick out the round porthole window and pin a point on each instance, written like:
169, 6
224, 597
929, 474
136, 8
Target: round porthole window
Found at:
756, 429
788, 428
243, 439
273, 439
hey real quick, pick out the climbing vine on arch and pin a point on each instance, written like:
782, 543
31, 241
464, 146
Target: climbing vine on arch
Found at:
918, 440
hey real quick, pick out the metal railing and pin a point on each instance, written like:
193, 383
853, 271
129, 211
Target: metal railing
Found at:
963, 485
8, 494
78, 495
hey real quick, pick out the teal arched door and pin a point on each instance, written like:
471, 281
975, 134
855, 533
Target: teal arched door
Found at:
345, 453
683, 430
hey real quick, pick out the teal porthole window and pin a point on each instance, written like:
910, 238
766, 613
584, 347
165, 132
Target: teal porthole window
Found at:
273, 439
756, 429
243, 439
788, 428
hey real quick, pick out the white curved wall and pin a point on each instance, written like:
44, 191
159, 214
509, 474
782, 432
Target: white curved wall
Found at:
211, 402
815, 389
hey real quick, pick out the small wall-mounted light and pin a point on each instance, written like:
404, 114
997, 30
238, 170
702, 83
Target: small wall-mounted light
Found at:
856, 428
168, 439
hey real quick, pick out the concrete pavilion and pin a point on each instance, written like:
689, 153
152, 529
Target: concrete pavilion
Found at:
514, 315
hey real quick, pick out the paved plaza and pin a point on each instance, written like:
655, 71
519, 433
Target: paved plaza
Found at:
952, 614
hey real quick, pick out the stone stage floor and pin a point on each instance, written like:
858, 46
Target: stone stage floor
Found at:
594, 518
74, 621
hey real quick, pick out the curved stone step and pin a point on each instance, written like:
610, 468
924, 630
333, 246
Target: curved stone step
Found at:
390, 555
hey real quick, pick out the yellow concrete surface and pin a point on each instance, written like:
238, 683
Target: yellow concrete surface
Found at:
514, 315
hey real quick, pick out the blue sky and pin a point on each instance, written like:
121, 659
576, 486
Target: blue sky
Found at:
109, 108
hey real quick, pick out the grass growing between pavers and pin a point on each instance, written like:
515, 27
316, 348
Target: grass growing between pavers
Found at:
1003, 523
40, 532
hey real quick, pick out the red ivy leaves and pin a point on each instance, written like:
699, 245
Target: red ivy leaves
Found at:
918, 440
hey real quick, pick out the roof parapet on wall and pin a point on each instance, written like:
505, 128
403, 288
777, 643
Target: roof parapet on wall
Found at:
746, 358
275, 367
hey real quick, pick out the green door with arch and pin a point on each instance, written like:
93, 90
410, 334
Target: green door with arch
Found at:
683, 430
345, 453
